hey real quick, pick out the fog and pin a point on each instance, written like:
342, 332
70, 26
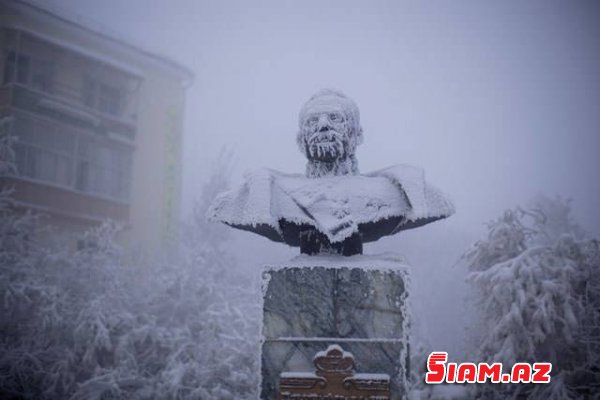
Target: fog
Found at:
497, 101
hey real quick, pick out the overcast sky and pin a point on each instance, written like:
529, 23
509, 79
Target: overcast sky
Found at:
497, 101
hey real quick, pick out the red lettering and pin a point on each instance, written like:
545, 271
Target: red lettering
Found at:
493, 371
521, 372
467, 372
439, 371
436, 367
451, 374
542, 372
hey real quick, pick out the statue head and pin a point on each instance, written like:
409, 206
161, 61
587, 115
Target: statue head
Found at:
329, 131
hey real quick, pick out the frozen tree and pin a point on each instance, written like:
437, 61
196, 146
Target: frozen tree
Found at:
536, 282
95, 324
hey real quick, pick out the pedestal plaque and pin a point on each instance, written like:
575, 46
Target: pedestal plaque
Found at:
334, 378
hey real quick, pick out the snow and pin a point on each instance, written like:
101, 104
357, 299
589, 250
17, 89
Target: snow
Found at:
381, 262
371, 377
344, 166
336, 206
334, 347
302, 375
441, 392
95, 323
536, 286
425, 200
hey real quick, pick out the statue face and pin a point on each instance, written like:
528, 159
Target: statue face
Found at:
328, 129
326, 134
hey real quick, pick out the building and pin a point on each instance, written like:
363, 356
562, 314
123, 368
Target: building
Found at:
98, 124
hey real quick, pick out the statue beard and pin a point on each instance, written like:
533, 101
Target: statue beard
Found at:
326, 145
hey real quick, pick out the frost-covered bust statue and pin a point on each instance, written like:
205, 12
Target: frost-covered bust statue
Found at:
334, 208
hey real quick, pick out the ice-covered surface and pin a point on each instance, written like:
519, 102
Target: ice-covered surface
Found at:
328, 133
425, 200
335, 206
382, 262
329, 99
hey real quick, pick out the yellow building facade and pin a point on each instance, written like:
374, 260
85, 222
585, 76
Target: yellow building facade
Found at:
97, 122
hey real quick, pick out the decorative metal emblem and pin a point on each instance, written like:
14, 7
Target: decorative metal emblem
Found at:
334, 379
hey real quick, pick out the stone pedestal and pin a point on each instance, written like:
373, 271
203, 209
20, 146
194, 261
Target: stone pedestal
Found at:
356, 302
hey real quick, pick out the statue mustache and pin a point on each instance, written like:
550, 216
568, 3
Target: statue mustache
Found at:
326, 143
330, 135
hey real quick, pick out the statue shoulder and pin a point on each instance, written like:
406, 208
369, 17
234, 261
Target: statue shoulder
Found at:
425, 199
246, 203
401, 172
262, 174
254, 201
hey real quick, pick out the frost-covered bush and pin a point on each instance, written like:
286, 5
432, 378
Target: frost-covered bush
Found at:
93, 324
536, 278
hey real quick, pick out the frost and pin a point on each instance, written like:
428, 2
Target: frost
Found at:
328, 133
333, 208
336, 206
388, 262
98, 324
538, 289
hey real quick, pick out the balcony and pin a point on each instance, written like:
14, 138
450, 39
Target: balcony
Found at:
65, 204
68, 110
70, 162
43, 77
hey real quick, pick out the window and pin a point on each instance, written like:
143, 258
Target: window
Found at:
50, 68
43, 152
22, 69
16, 68
103, 169
102, 96
109, 99
88, 92
41, 77
53, 153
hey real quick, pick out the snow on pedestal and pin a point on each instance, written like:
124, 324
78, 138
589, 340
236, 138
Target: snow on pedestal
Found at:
357, 302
